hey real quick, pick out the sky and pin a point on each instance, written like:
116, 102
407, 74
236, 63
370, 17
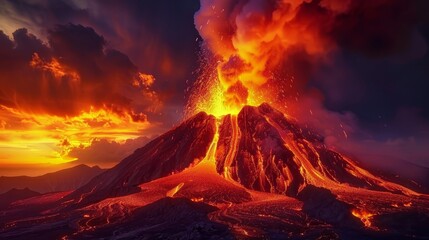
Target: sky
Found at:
90, 81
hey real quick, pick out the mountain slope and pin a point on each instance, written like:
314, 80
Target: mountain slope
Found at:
63, 180
263, 150
172, 152
260, 148
15, 195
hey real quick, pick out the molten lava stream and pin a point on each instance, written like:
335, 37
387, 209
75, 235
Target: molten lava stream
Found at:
322, 177
311, 174
232, 152
173, 191
209, 161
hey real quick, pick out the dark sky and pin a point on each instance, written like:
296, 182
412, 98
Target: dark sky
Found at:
374, 76
378, 72
159, 37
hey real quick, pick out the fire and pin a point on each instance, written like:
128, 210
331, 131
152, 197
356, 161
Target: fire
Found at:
364, 216
250, 40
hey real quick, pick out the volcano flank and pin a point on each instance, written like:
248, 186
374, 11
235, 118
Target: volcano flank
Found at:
257, 174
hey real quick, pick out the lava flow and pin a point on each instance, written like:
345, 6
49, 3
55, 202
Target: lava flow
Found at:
256, 174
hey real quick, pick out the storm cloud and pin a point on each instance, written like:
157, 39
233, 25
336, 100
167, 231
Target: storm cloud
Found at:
71, 74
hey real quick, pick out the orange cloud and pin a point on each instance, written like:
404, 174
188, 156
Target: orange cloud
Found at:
41, 138
61, 96
53, 67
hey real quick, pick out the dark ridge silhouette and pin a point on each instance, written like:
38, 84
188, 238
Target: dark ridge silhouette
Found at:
62, 180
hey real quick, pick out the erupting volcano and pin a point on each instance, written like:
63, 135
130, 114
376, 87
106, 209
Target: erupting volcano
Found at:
241, 165
257, 174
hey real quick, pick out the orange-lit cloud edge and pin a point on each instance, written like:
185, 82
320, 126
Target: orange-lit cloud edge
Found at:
38, 140
29, 138
33, 144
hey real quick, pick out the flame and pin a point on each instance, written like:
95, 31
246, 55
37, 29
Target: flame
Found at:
364, 216
250, 40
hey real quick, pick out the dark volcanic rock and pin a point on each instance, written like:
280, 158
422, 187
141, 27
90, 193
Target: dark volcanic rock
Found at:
411, 223
167, 218
321, 204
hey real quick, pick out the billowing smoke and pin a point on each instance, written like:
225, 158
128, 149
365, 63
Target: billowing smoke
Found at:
258, 42
252, 38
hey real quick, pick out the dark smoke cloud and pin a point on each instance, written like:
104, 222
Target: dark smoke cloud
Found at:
377, 28
158, 36
74, 73
106, 153
373, 82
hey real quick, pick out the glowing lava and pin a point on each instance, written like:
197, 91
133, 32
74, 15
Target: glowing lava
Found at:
173, 191
364, 216
254, 173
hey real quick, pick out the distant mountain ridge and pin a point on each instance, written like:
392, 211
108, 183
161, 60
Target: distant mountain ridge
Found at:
15, 195
62, 180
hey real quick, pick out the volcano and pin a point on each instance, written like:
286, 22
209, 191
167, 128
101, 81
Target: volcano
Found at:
257, 174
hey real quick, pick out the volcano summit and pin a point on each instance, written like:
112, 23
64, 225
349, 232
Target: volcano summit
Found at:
257, 174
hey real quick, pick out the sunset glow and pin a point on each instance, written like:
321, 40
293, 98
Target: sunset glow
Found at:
41, 138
